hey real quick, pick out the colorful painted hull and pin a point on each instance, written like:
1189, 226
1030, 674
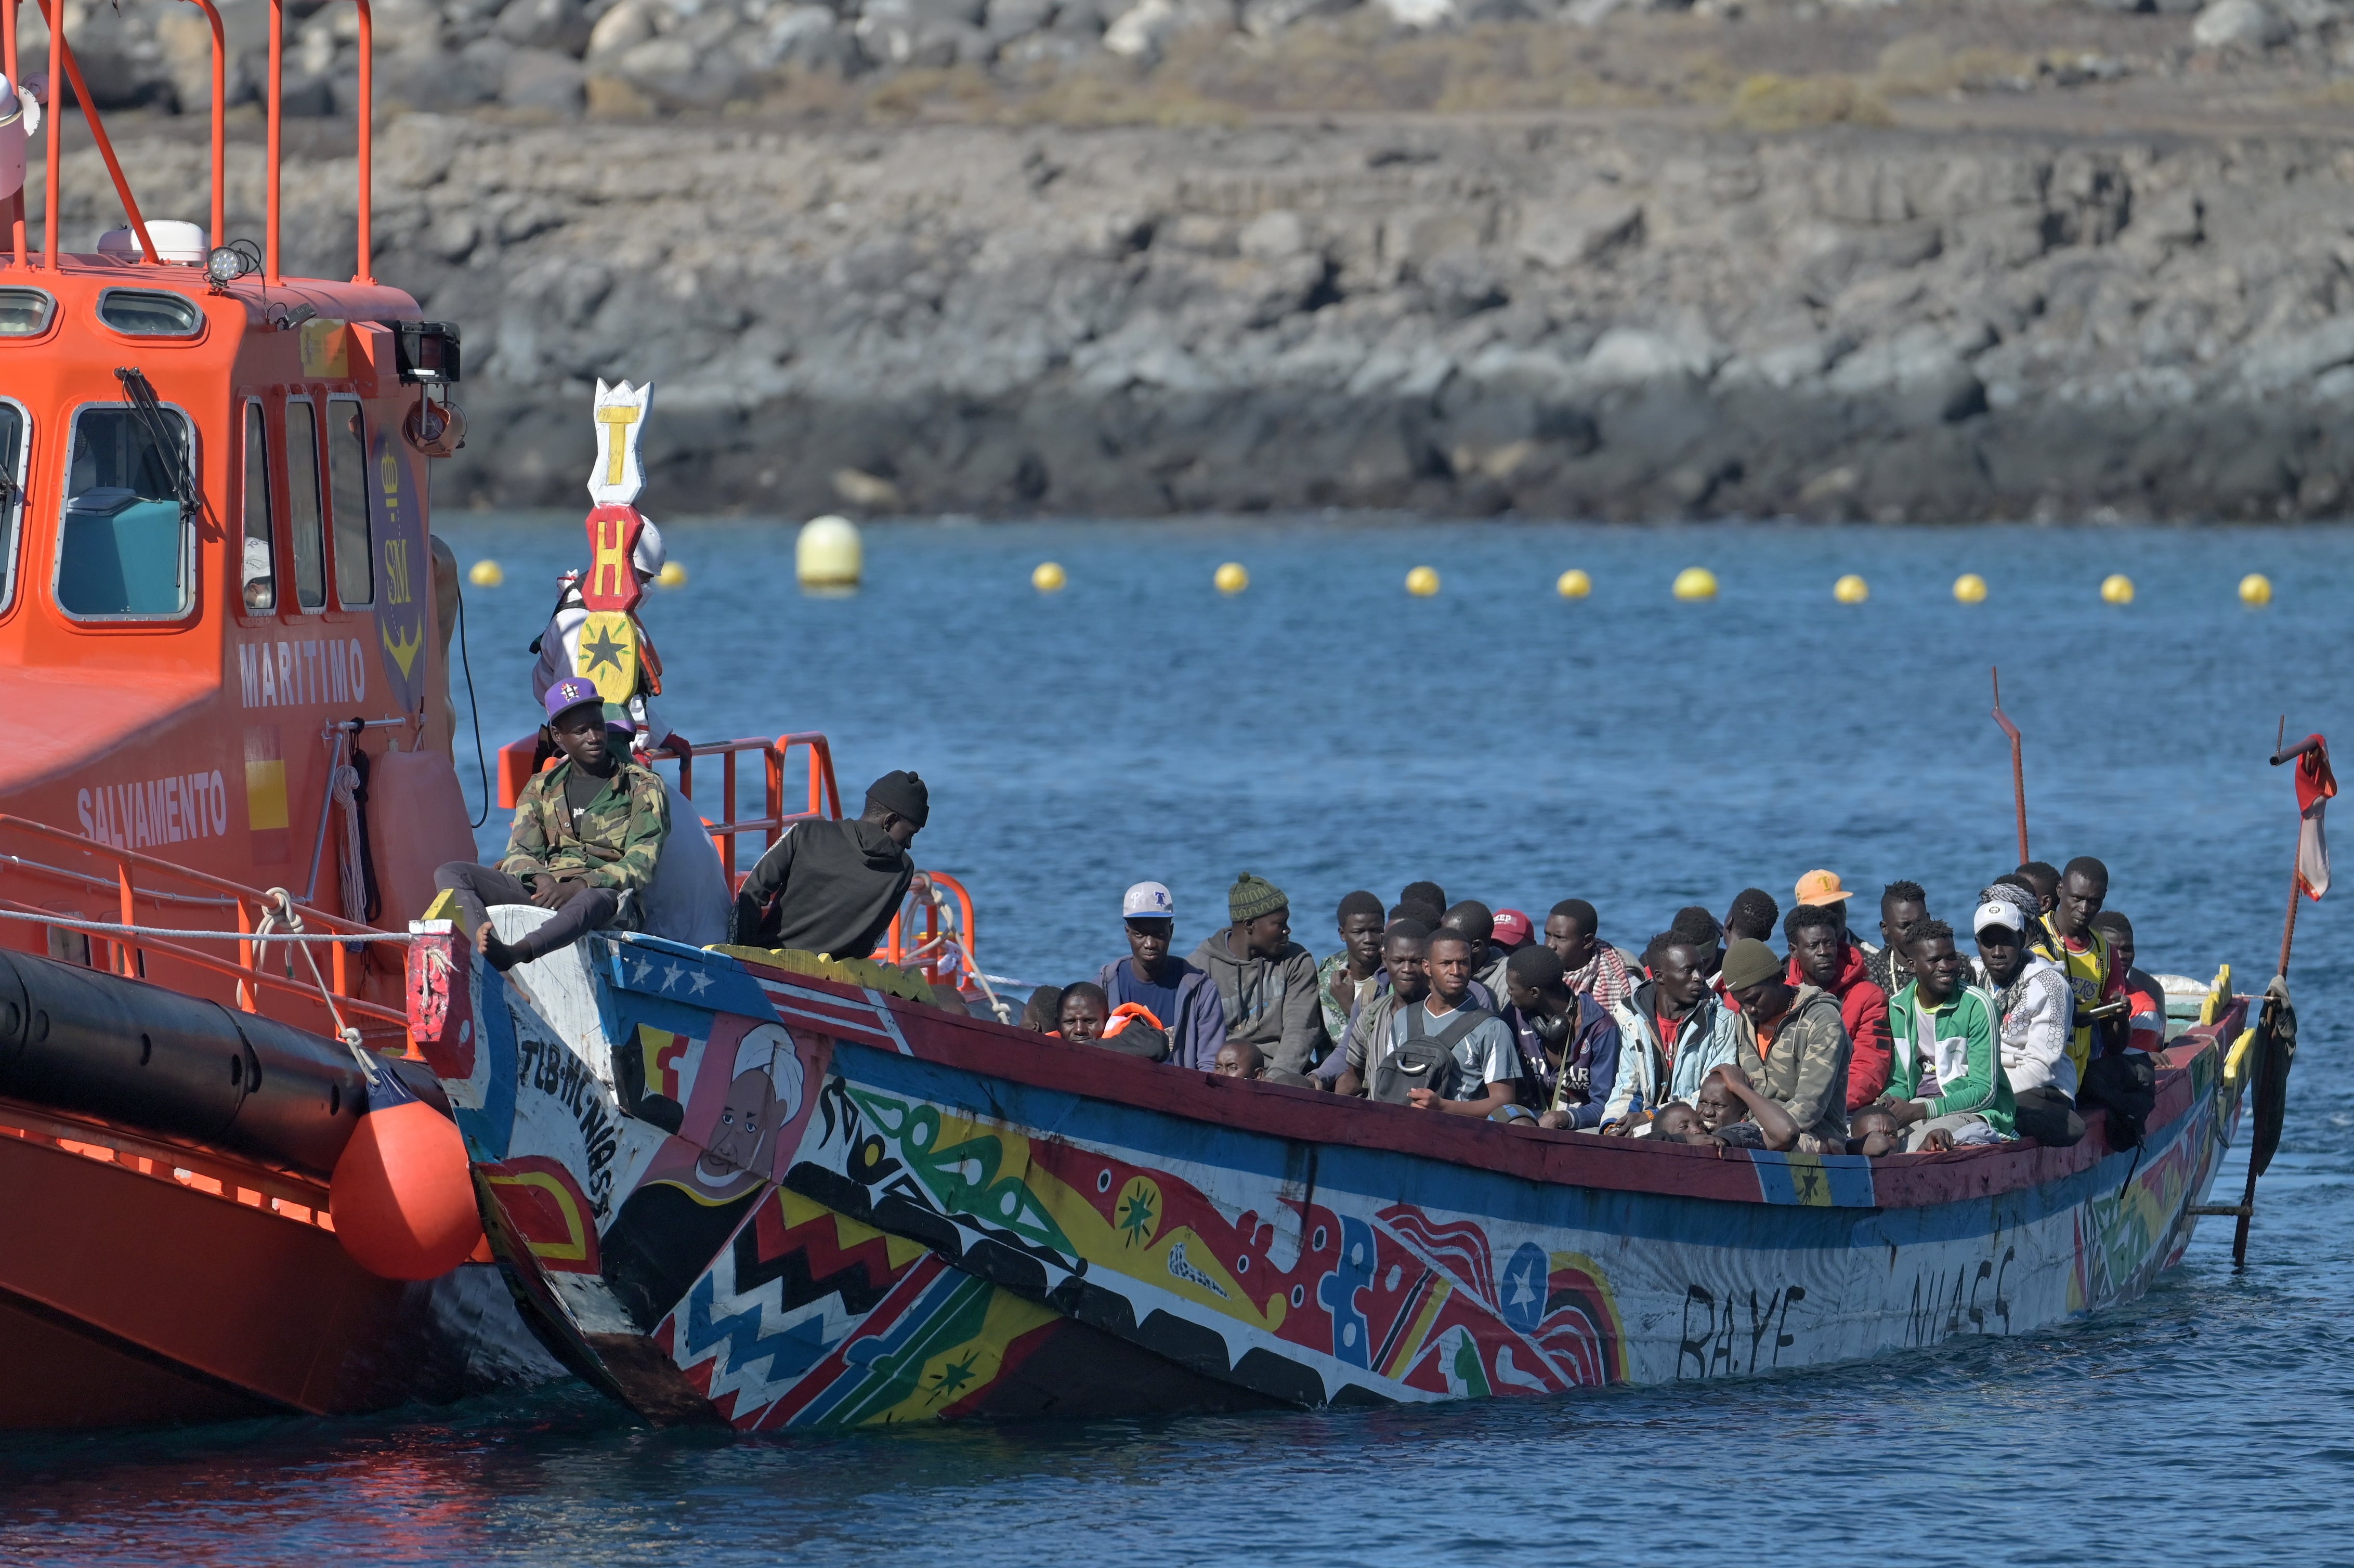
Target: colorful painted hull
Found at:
734, 1193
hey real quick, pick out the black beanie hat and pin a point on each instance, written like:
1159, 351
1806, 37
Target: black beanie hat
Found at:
903, 793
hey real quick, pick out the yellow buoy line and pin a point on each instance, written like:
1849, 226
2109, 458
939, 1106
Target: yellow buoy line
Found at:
1692, 584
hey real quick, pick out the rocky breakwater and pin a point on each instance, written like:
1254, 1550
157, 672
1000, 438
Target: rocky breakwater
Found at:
1551, 319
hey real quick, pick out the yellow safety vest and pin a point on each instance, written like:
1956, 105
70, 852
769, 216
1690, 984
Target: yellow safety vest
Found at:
2088, 977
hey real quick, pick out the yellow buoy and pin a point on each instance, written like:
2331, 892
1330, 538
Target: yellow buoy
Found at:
1850, 589
2255, 590
1422, 582
1231, 577
672, 575
1970, 588
1049, 577
486, 574
828, 553
1695, 582
2116, 589
1573, 584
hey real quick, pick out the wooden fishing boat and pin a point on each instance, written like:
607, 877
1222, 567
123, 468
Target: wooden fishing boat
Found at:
226, 640
874, 1210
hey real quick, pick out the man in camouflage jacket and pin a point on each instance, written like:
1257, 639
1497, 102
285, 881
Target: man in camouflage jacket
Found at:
588, 833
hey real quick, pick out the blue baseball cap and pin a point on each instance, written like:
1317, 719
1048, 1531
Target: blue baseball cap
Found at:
572, 692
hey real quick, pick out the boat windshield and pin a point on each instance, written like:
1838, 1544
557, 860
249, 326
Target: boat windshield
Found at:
12, 495
126, 549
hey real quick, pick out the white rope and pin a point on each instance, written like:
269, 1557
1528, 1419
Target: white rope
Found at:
294, 918
346, 788
76, 923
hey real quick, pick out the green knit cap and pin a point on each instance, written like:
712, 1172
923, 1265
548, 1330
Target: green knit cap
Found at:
1253, 897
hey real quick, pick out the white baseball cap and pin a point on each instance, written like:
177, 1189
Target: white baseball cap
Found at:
1147, 901
1998, 912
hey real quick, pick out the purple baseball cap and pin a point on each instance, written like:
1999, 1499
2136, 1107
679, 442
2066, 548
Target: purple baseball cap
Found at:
572, 692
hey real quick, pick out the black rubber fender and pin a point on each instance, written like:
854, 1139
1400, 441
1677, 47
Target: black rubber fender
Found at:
81, 1041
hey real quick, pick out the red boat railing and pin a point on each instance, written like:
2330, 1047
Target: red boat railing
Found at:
61, 60
818, 788
261, 918
934, 928
362, 273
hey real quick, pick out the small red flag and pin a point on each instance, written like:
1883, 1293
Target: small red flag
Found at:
2314, 785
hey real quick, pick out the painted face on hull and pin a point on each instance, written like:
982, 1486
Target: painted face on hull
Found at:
746, 1125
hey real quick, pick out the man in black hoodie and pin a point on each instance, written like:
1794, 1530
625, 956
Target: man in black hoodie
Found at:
831, 887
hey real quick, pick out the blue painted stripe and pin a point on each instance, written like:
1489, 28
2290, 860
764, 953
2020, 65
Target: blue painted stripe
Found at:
675, 973
860, 1351
491, 1129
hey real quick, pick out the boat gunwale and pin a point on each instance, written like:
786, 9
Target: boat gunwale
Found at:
1542, 1155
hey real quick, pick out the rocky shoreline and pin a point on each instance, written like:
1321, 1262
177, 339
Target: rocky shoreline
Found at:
1550, 316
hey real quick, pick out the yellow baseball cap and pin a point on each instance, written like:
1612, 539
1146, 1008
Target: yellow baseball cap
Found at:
1820, 887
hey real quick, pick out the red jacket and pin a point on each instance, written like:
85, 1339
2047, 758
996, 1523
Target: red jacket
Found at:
1863, 1008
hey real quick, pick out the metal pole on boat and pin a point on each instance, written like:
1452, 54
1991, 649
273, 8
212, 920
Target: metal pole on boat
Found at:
2268, 1020
2018, 764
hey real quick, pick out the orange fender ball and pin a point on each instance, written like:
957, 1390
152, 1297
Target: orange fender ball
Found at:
402, 1197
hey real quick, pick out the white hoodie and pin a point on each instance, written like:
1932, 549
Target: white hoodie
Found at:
2037, 1011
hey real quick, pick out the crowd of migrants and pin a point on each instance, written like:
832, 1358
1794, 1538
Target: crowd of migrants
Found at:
1708, 1035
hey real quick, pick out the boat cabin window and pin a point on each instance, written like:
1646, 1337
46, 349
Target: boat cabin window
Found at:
347, 471
127, 547
303, 505
24, 312
260, 578
12, 495
145, 314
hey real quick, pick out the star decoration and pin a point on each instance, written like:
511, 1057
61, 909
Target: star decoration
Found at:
1136, 1217
672, 976
700, 981
954, 1376
602, 650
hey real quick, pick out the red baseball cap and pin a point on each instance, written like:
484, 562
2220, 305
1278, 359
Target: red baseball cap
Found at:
1513, 929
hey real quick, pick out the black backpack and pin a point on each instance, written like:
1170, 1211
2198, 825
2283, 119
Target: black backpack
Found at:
1422, 1060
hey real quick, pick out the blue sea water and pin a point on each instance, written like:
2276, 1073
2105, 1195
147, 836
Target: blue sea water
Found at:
1328, 732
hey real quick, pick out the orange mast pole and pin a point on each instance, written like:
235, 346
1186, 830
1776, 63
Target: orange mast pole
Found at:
220, 121
362, 273
8, 65
277, 77
98, 131
365, 271
50, 172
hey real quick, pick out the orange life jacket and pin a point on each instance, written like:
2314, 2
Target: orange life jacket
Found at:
1127, 1012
